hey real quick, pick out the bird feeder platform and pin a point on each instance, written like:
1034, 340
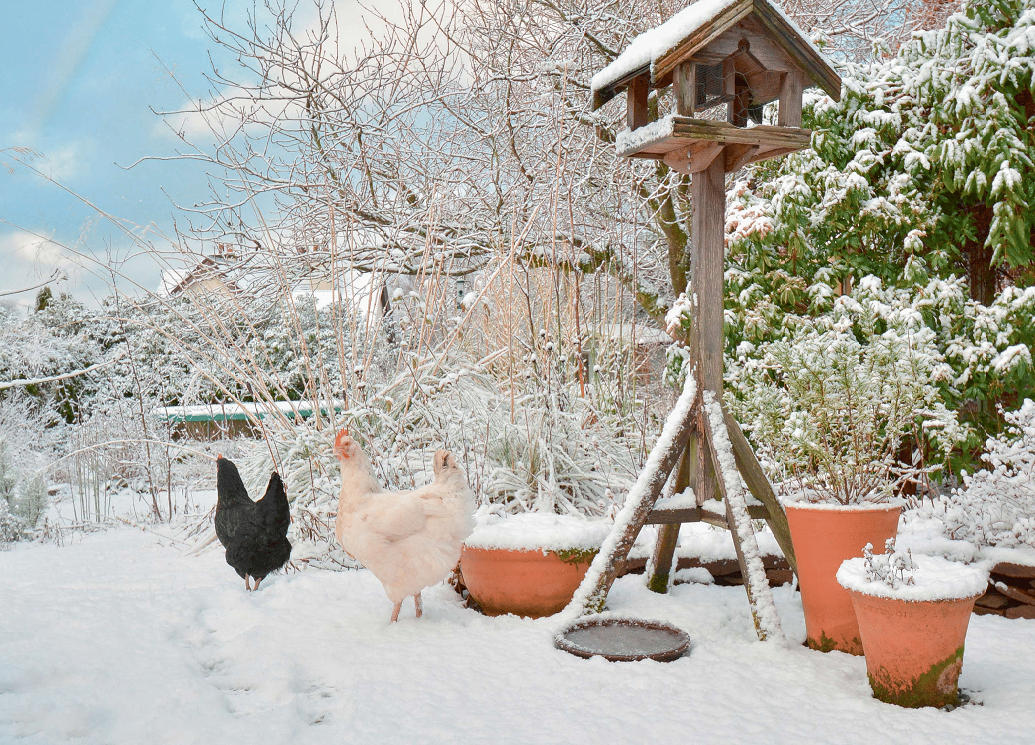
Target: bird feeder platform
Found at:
691, 145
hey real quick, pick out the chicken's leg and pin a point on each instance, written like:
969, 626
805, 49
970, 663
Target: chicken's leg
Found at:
248, 583
257, 584
395, 612
418, 605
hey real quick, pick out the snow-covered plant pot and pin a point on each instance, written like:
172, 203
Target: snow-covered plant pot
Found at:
824, 536
913, 624
529, 564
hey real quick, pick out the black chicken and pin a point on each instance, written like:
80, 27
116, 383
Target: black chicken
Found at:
254, 534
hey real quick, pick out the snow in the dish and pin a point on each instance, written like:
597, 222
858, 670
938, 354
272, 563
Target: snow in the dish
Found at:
634, 502
634, 139
537, 530
123, 638
646, 48
736, 498
934, 578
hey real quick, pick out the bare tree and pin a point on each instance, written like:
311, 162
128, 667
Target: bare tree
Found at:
452, 124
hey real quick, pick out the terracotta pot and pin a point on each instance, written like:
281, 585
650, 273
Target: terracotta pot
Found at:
914, 648
823, 537
527, 583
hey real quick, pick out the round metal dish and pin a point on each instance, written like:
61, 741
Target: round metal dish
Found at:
623, 640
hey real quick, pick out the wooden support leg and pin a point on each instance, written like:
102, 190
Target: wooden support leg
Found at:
668, 535
760, 487
664, 550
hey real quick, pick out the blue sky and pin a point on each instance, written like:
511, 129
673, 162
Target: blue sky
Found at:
78, 79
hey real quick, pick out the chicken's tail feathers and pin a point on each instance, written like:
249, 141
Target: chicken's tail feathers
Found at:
443, 461
274, 505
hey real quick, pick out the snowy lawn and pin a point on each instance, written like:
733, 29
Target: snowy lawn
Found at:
121, 639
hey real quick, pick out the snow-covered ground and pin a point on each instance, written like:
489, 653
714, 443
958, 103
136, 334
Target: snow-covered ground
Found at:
123, 638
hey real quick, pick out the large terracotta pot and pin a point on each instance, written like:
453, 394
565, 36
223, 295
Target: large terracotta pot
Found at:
824, 536
914, 648
527, 583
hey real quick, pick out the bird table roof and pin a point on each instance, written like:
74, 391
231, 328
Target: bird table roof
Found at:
657, 51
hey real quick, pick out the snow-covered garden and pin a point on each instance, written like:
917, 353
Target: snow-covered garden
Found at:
432, 244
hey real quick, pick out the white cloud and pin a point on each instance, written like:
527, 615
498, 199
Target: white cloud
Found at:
352, 32
27, 259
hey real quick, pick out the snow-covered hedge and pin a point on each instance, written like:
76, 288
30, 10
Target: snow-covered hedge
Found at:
996, 506
831, 404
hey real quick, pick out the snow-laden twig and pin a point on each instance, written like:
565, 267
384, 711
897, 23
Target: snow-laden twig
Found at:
54, 378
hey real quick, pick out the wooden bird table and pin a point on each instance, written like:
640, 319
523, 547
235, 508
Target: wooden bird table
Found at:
742, 54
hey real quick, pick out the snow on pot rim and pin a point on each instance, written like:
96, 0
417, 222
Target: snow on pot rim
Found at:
799, 501
531, 531
935, 578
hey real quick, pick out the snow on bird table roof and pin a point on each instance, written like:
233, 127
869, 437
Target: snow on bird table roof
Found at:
652, 45
646, 48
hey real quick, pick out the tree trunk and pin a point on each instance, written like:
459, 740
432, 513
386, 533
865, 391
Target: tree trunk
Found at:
981, 275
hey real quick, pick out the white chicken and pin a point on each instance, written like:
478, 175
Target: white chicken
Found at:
409, 540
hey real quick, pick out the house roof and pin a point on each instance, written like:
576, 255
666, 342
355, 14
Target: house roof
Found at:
656, 52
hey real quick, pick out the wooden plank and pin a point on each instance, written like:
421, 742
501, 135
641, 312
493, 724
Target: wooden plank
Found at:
719, 521
707, 263
636, 102
604, 95
738, 155
664, 550
693, 43
684, 85
686, 131
763, 134
668, 535
703, 478
800, 52
670, 517
791, 90
694, 158
773, 153
756, 510
759, 486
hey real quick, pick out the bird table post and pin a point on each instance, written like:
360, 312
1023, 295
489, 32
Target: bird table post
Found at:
743, 54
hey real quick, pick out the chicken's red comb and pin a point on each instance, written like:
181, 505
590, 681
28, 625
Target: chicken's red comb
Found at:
340, 436
219, 457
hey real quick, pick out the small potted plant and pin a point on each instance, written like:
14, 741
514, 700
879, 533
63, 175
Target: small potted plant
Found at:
835, 414
550, 476
529, 564
913, 614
